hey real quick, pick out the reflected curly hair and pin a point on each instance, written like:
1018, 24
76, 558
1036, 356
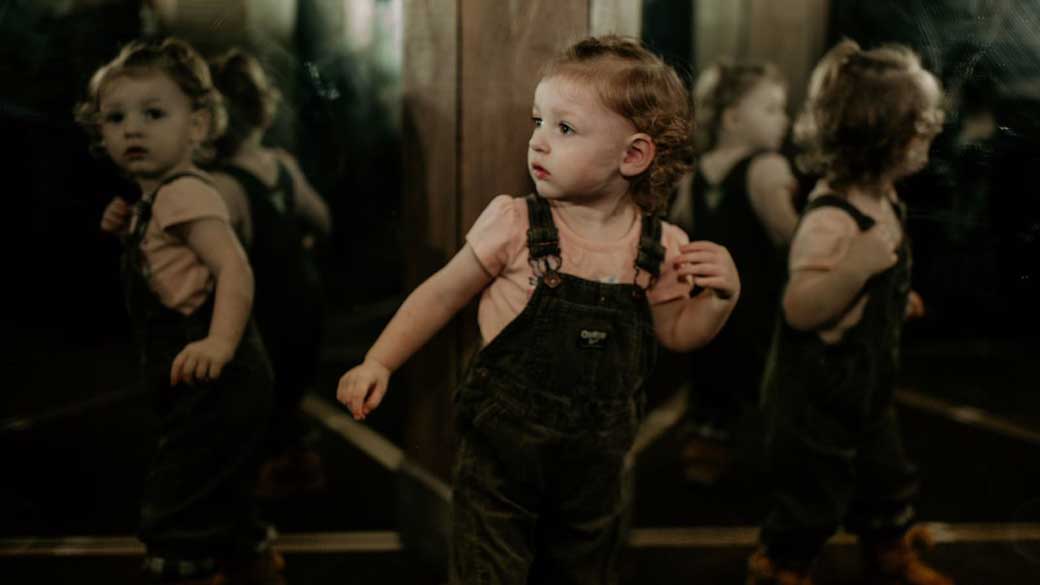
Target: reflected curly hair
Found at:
640, 86
172, 57
720, 87
249, 97
863, 110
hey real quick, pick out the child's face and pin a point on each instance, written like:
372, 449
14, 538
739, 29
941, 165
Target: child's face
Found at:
759, 119
148, 125
928, 127
578, 145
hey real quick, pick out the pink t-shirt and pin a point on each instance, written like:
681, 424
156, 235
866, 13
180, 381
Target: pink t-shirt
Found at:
177, 275
499, 239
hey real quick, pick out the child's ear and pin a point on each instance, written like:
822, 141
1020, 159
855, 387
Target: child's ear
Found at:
200, 124
639, 153
729, 118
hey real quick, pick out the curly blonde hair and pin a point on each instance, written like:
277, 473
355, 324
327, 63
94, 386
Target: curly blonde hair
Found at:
720, 87
863, 110
640, 86
172, 57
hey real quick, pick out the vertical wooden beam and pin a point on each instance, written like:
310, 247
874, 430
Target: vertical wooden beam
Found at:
430, 137
790, 34
504, 45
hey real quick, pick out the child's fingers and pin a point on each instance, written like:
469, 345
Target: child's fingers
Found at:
201, 370
375, 397
215, 368
700, 246
695, 257
700, 269
177, 368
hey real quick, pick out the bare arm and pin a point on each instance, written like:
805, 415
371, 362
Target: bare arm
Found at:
771, 186
309, 204
830, 264
688, 323
428, 309
237, 204
214, 242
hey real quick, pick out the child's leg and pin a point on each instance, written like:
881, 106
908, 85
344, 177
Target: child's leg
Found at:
886, 484
585, 522
813, 475
883, 514
197, 501
493, 515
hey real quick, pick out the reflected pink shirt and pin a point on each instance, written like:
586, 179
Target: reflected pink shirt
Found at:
499, 239
177, 275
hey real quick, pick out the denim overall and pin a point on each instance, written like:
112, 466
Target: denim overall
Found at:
719, 390
548, 411
197, 503
287, 305
832, 438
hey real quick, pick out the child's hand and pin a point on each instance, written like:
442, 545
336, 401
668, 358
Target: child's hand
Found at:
873, 249
363, 387
201, 361
116, 217
914, 306
710, 266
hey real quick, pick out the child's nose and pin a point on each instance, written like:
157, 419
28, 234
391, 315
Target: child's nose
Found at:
132, 125
538, 142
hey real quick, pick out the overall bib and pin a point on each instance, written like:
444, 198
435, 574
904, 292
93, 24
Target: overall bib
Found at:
288, 304
197, 503
548, 411
832, 436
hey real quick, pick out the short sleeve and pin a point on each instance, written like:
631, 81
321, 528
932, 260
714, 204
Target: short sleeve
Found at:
188, 200
822, 240
495, 234
669, 285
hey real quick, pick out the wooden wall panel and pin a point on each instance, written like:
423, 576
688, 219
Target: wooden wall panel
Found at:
791, 34
430, 138
504, 45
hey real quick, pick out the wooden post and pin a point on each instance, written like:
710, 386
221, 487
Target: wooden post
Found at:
470, 70
790, 34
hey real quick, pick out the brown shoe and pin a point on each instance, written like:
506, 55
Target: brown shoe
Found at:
763, 571
265, 569
705, 460
294, 472
895, 562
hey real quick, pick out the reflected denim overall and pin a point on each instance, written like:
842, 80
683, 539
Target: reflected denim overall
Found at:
832, 437
198, 505
547, 413
287, 306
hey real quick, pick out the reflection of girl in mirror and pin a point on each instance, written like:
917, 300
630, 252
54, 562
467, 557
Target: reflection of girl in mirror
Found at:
740, 196
580, 281
189, 290
832, 440
274, 209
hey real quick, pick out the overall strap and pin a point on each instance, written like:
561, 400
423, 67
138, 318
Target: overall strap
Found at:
250, 182
143, 207
864, 221
543, 241
651, 252
542, 237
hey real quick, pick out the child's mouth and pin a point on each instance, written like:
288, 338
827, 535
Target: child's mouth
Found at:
539, 171
135, 152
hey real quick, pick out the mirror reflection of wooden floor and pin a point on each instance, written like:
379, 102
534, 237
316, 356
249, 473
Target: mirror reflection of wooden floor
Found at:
971, 419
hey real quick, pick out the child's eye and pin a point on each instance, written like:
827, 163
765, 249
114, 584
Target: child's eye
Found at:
566, 128
537, 121
154, 113
112, 117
